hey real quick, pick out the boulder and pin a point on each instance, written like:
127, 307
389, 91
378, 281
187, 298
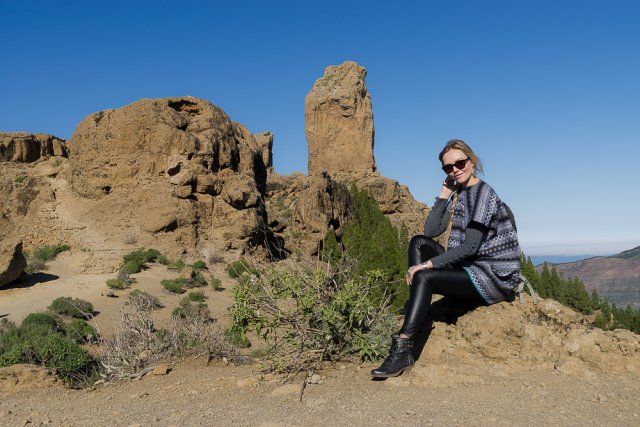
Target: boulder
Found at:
28, 147
12, 262
339, 121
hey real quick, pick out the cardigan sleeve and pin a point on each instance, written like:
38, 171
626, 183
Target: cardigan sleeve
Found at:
438, 219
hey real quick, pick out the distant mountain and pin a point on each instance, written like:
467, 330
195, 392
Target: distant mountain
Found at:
615, 277
557, 259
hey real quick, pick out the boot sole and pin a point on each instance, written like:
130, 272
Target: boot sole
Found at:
392, 375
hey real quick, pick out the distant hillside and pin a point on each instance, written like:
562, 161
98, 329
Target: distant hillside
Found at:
616, 277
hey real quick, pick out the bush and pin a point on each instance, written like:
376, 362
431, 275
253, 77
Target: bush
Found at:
116, 284
237, 268
39, 340
188, 310
137, 335
176, 265
72, 307
136, 260
197, 282
40, 322
143, 299
81, 332
308, 317
196, 296
199, 265
40, 256
175, 285
216, 284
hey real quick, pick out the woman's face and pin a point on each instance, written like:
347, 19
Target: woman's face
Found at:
455, 166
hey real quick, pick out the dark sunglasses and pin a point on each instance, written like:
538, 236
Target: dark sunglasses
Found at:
460, 164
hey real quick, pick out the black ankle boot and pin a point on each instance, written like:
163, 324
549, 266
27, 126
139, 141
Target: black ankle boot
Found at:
399, 359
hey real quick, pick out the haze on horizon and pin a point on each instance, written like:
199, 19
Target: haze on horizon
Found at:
545, 92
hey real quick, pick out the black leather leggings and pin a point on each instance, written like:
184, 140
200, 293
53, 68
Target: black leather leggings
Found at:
451, 282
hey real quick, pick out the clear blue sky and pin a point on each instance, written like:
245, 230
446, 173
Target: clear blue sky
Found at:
546, 92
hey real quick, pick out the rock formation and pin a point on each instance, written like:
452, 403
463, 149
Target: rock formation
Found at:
339, 121
29, 147
177, 168
12, 262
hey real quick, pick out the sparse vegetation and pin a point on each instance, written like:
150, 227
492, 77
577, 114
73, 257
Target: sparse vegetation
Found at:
199, 265
216, 284
20, 179
196, 296
237, 268
135, 261
116, 284
73, 307
187, 309
175, 265
143, 299
137, 343
40, 256
174, 285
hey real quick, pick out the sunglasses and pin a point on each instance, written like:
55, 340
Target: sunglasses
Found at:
460, 164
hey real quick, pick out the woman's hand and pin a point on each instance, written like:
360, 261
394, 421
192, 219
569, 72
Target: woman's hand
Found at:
415, 268
448, 187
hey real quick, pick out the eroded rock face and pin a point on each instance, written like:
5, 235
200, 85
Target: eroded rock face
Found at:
28, 147
179, 166
12, 262
339, 121
302, 208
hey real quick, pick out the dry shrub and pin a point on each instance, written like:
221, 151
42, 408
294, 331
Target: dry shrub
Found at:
139, 345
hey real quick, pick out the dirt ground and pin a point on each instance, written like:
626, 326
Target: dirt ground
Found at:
195, 392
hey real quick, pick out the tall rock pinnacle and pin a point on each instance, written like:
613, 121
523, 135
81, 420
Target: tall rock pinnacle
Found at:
339, 121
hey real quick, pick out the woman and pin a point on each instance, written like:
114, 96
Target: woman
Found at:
481, 264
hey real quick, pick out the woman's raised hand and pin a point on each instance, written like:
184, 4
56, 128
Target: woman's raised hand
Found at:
448, 187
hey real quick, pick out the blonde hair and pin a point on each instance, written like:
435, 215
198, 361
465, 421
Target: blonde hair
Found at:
458, 144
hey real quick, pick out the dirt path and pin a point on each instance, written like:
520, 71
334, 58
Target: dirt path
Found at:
195, 394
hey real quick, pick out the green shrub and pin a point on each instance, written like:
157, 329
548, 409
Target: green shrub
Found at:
116, 284
176, 265
136, 260
40, 256
162, 259
216, 284
40, 323
144, 299
196, 296
72, 307
312, 316
186, 309
81, 332
199, 265
237, 268
176, 285
20, 179
197, 282
38, 341
133, 266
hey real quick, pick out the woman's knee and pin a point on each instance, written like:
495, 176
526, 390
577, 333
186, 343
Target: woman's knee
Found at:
418, 240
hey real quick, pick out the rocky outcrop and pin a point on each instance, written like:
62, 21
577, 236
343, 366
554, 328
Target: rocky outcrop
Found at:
28, 147
547, 334
339, 121
12, 262
180, 167
302, 208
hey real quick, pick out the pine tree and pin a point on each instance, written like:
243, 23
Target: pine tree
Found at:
595, 300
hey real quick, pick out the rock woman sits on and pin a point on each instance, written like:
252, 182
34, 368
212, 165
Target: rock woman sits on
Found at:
481, 264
